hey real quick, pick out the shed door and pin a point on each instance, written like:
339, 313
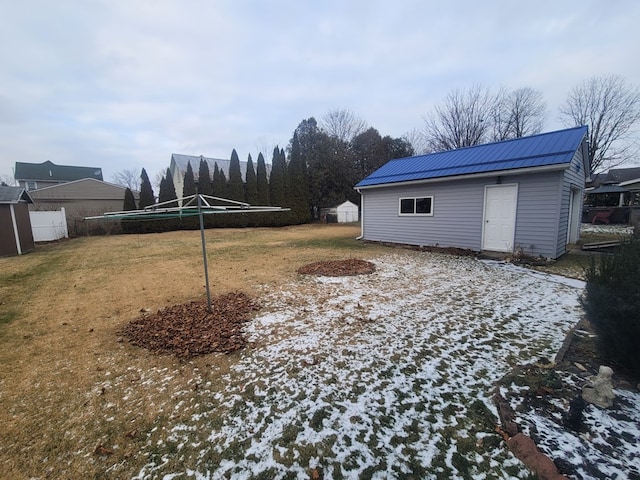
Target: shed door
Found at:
500, 202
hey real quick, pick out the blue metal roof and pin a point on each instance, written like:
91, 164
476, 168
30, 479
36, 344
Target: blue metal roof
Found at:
546, 149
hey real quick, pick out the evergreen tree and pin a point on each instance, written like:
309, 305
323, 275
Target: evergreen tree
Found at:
276, 181
189, 187
167, 190
298, 184
287, 180
235, 190
129, 200
251, 184
219, 182
162, 189
224, 185
129, 225
146, 191
204, 178
263, 182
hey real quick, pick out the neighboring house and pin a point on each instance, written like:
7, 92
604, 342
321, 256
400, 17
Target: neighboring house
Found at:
611, 195
33, 176
16, 237
615, 176
178, 167
81, 198
617, 187
522, 194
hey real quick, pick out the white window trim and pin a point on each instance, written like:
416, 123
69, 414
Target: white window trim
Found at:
430, 214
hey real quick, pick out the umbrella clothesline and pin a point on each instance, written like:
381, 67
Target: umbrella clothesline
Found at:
192, 205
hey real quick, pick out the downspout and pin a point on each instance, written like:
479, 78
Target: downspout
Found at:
361, 215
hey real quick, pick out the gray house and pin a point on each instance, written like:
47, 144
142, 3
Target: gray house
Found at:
80, 198
521, 194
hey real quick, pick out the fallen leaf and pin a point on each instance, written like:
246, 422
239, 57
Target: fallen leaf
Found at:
101, 450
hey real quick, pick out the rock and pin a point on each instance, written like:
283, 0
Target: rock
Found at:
600, 391
524, 448
573, 419
580, 367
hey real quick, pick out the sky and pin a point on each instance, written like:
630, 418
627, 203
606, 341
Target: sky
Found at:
122, 85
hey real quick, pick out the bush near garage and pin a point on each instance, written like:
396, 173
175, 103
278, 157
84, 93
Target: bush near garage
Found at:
612, 303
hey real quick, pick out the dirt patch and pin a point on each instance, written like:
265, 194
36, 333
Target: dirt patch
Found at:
190, 329
338, 268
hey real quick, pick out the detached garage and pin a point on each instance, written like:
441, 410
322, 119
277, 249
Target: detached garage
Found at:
16, 237
523, 195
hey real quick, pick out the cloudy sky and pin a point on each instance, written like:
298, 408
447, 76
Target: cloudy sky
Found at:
122, 84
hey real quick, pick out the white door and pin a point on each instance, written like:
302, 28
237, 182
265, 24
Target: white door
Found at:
500, 202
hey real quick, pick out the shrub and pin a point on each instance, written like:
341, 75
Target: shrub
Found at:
612, 303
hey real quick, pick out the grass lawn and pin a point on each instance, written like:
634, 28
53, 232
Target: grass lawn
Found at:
385, 375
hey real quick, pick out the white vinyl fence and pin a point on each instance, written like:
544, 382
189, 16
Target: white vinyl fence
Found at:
48, 226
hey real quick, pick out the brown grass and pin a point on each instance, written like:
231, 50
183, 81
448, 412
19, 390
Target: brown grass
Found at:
77, 403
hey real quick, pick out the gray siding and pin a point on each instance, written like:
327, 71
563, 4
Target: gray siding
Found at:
537, 213
458, 208
80, 190
456, 220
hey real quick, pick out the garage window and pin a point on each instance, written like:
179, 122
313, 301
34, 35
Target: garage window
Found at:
416, 206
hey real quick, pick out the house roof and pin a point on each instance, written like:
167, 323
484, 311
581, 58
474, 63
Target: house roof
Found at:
181, 162
49, 171
617, 176
607, 189
14, 195
543, 150
83, 189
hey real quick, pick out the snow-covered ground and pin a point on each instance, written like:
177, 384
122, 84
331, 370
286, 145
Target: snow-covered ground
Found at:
607, 229
375, 376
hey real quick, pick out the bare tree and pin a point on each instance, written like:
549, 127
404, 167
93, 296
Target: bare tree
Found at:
417, 140
7, 180
463, 120
157, 180
343, 125
264, 146
610, 107
128, 178
518, 113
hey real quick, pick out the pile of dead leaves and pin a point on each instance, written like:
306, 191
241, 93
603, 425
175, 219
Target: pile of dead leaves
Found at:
189, 330
338, 268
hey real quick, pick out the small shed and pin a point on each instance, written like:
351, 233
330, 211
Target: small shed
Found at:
520, 195
16, 236
347, 212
